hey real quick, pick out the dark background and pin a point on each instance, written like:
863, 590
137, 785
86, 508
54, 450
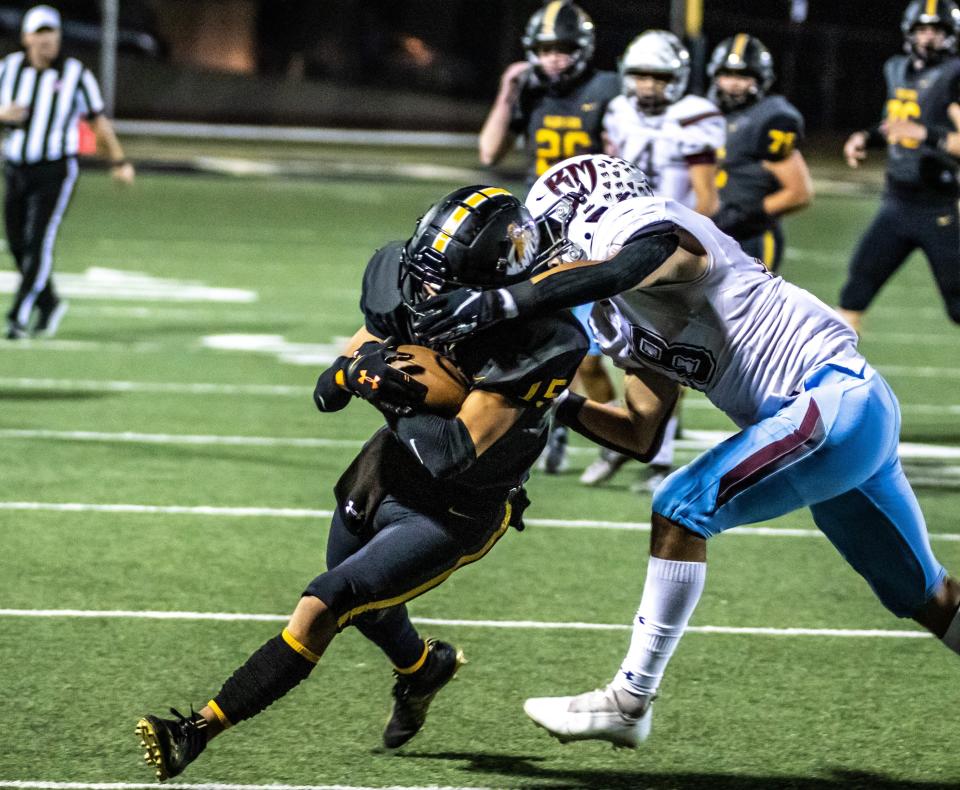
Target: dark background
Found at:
449, 50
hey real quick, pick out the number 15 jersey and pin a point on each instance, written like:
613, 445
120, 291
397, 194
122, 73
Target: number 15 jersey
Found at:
741, 335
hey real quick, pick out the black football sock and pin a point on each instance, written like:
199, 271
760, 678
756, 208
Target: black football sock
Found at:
272, 671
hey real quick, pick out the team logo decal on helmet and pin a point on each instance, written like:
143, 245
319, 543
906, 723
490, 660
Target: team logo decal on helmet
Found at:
571, 197
476, 236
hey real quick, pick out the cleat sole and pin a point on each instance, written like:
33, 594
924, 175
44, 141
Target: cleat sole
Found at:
148, 739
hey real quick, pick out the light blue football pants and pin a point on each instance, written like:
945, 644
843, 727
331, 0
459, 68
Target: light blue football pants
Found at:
834, 450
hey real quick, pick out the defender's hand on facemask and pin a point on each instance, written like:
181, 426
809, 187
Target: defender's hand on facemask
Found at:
451, 316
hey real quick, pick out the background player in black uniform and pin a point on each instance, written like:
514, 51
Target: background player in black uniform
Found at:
427, 494
762, 174
556, 100
919, 205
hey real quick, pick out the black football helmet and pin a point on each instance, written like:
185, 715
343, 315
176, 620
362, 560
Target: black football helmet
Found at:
560, 22
741, 54
475, 237
940, 13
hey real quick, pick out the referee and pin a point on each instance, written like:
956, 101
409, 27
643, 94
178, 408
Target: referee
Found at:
42, 97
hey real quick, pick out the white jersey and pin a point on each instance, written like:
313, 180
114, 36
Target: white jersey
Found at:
738, 333
663, 146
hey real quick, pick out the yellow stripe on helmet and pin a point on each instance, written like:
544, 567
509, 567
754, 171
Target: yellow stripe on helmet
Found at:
550, 18
460, 213
739, 46
931, 7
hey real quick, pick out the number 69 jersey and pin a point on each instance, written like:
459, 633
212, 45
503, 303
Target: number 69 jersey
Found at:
743, 336
689, 132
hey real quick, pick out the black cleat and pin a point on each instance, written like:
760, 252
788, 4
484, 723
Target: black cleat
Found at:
414, 693
171, 744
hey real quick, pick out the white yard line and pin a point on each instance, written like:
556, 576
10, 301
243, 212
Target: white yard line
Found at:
307, 513
537, 625
179, 388
27, 784
694, 440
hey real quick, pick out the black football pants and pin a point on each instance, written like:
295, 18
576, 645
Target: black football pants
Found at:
899, 228
36, 199
369, 579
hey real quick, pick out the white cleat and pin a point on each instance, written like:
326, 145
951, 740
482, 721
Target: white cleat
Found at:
594, 715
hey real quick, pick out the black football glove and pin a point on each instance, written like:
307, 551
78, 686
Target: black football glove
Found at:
369, 375
739, 222
451, 316
328, 394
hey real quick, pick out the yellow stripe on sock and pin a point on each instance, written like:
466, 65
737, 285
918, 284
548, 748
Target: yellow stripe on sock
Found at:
304, 651
220, 714
419, 663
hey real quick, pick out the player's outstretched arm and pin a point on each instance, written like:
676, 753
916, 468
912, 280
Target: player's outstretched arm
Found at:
459, 313
637, 430
448, 446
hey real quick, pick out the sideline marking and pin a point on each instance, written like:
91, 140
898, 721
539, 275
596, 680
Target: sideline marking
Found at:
272, 512
871, 633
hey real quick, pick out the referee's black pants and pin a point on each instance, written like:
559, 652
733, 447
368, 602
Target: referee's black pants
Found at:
36, 199
899, 228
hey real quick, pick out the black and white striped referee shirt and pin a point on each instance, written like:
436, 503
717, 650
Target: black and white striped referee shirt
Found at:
56, 97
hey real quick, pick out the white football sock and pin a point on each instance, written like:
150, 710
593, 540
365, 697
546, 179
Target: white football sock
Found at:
952, 637
664, 456
670, 594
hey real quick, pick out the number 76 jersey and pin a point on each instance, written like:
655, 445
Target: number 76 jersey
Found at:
741, 335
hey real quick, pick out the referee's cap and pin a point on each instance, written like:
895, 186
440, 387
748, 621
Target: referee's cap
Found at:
39, 17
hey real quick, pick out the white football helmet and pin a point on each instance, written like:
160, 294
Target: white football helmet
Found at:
568, 200
661, 53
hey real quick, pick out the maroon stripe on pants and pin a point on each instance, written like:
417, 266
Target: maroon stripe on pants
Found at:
773, 457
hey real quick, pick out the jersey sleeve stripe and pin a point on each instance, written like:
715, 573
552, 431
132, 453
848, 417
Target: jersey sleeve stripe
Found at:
701, 117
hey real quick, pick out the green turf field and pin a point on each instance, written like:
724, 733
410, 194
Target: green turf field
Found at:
148, 470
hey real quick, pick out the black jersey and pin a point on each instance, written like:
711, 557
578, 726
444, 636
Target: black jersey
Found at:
769, 130
529, 361
557, 124
922, 95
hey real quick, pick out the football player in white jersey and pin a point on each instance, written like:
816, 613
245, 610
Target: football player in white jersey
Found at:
819, 426
674, 139
671, 137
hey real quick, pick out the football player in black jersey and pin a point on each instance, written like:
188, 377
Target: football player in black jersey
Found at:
556, 100
762, 174
427, 494
919, 204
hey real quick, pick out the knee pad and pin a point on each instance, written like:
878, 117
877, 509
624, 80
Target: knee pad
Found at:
337, 590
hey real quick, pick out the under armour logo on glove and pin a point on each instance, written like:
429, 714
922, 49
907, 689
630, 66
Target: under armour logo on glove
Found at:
374, 381
370, 375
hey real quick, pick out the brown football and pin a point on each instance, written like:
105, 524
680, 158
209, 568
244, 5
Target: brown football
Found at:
446, 386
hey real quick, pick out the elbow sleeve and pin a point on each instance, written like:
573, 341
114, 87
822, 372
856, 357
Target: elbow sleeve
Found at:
443, 446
